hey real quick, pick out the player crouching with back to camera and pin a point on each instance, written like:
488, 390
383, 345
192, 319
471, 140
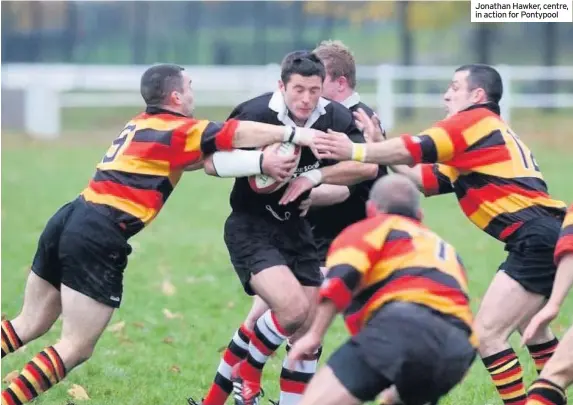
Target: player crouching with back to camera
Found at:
403, 291
270, 243
557, 375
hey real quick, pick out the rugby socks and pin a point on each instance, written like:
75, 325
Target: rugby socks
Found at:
507, 375
267, 336
10, 340
39, 375
544, 392
236, 351
293, 382
541, 353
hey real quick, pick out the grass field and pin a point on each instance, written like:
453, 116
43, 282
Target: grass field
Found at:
182, 300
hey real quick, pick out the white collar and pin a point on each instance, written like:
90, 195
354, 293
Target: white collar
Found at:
351, 101
277, 104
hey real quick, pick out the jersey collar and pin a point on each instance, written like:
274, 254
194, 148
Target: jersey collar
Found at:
277, 104
351, 101
491, 106
159, 110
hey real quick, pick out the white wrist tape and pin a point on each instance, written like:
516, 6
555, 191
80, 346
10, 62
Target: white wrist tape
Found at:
314, 175
237, 163
293, 135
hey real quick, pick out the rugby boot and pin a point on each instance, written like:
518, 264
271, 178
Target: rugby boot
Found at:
191, 401
244, 392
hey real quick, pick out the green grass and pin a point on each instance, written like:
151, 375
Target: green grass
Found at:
155, 360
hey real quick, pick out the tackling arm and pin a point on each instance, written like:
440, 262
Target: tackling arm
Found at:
347, 173
564, 259
257, 134
563, 281
329, 194
440, 143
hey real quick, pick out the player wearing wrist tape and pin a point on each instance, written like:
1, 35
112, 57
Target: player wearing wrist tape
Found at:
77, 271
333, 208
271, 245
475, 154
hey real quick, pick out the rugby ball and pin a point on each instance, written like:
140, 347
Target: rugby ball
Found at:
264, 184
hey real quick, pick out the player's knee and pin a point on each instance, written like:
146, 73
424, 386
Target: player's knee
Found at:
491, 334
293, 316
30, 328
76, 352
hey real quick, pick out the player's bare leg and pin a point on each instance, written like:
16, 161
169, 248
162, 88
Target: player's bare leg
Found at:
40, 310
541, 346
84, 320
494, 327
289, 307
556, 376
236, 351
390, 396
325, 389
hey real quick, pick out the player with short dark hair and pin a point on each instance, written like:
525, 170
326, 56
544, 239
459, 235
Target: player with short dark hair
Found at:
557, 375
475, 154
270, 244
404, 295
77, 271
480, 76
332, 208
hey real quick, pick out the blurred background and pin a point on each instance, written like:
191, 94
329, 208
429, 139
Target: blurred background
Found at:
405, 51
261, 32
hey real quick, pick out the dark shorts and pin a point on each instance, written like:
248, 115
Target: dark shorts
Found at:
322, 245
406, 345
85, 251
530, 259
256, 243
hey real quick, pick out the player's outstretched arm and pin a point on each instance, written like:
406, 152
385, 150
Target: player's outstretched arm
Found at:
440, 143
256, 134
561, 287
243, 163
413, 173
200, 138
563, 281
328, 194
334, 145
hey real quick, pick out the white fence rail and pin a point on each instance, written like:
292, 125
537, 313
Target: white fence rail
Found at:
49, 88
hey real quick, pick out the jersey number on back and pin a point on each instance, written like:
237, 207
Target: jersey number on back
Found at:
116, 145
526, 155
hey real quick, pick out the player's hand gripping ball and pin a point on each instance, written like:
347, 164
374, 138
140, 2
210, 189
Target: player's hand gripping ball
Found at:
265, 184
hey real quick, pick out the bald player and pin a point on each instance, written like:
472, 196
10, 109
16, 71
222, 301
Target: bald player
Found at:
403, 292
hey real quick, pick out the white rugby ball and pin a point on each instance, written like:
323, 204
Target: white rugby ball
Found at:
264, 184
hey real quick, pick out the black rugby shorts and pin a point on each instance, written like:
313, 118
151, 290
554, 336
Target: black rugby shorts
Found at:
84, 250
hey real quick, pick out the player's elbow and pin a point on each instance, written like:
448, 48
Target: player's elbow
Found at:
209, 166
370, 171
